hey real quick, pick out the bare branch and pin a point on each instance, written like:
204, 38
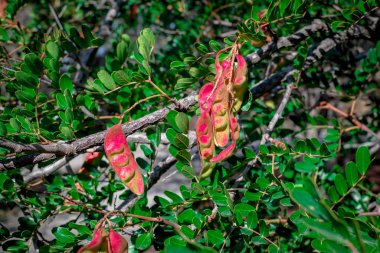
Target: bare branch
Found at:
17, 162
273, 122
46, 170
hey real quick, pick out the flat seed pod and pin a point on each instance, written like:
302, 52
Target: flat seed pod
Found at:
220, 116
98, 243
117, 243
240, 84
121, 159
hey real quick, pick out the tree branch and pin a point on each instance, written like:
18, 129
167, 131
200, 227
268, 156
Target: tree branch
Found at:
292, 40
40, 173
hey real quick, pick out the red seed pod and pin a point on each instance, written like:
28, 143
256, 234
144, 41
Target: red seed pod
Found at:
104, 242
204, 99
98, 243
205, 137
117, 243
240, 84
121, 159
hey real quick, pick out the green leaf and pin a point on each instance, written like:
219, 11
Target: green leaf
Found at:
69, 98
145, 65
179, 121
64, 236
3, 129
61, 101
309, 203
177, 65
82, 229
181, 141
340, 184
215, 237
326, 230
25, 123
202, 48
52, 49
26, 95
34, 64
247, 105
154, 135
242, 210
184, 83
122, 51
170, 134
351, 173
26, 79
121, 77
283, 5
305, 166
196, 73
15, 124
252, 220
147, 151
69, 115
65, 83
215, 46
263, 149
106, 79
363, 159
334, 196
145, 43
143, 241
188, 172
174, 197
184, 157
3, 34
67, 132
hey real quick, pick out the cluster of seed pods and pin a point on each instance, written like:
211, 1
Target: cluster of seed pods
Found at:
219, 101
121, 159
102, 241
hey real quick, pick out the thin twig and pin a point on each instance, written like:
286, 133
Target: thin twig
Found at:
370, 214
327, 105
262, 236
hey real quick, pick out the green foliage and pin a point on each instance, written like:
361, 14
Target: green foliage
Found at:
306, 186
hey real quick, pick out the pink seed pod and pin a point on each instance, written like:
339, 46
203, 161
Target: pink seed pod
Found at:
104, 242
117, 243
224, 154
205, 138
121, 159
98, 243
205, 135
204, 99
220, 116
240, 84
